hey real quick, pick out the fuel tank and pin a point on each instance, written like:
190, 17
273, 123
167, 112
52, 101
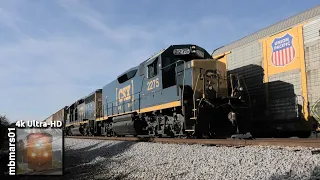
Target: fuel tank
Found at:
123, 125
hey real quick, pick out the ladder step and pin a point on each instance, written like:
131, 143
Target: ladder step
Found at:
193, 118
189, 130
194, 109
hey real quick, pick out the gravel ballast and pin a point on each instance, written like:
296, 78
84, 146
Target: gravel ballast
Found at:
98, 159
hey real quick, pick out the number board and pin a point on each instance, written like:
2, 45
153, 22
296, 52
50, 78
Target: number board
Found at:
153, 84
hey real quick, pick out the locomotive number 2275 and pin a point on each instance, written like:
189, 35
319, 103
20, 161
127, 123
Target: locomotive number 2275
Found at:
152, 84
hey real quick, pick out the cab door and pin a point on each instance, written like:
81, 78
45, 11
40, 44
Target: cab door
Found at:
151, 93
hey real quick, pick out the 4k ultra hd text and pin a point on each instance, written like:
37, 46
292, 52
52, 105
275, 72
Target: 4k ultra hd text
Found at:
38, 124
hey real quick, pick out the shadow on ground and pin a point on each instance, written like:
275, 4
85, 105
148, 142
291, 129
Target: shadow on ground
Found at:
314, 175
78, 164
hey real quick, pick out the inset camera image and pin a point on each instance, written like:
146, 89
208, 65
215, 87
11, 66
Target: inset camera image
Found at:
39, 152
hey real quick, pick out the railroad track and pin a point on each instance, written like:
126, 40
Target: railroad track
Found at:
292, 142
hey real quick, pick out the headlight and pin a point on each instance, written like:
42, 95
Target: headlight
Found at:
240, 88
39, 144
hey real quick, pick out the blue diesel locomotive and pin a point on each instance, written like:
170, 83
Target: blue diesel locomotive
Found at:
180, 91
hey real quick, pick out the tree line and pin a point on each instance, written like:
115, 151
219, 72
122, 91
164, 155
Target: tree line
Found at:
4, 124
4, 121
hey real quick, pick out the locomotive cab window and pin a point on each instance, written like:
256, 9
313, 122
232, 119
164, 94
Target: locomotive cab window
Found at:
127, 76
153, 68
141, 69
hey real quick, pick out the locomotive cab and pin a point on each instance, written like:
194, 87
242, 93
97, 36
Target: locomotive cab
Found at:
208, 107
215, 111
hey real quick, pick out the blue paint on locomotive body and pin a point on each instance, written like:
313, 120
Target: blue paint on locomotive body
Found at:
111, 96
93, 105
89, 110
143, 87
156, 81
137, 93
152, 92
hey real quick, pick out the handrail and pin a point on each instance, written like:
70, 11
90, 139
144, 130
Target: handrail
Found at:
123, 105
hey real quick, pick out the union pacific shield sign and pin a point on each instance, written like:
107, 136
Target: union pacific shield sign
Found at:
283, 51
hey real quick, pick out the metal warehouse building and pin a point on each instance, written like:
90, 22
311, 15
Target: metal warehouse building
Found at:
281, 69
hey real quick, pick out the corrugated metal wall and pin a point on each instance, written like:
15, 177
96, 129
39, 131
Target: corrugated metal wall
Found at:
288, 85
247, 61
242, 56
285, 94
285, 77
311, 34
60, 115
311, 31
286, 90
273, 29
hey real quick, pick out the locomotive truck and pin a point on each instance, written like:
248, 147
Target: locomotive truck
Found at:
180, 91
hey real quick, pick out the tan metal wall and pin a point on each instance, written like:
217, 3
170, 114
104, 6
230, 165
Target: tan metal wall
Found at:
247, 62
274, 70
311, 34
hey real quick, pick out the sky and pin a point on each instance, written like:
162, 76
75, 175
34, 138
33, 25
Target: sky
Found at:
54, 52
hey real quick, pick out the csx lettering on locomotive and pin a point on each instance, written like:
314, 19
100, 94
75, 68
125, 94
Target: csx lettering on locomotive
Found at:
124, 94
